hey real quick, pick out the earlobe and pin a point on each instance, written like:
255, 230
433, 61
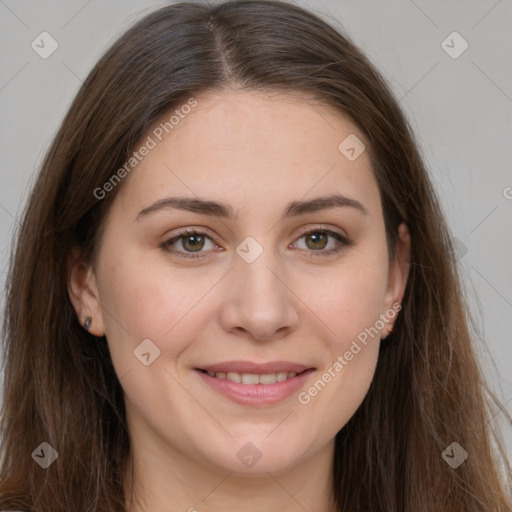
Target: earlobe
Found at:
83, 294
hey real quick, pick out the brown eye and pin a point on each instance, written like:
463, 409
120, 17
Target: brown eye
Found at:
192, 243
316, 240
189, 244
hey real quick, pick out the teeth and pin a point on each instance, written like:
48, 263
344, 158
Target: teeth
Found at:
268, 378
250, 378
254, 378
281, 376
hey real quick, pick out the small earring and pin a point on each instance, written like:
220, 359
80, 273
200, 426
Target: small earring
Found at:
388, 334
87, 323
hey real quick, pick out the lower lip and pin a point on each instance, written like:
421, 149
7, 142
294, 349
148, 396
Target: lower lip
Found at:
256, 394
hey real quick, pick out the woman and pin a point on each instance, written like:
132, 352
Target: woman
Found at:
233, 288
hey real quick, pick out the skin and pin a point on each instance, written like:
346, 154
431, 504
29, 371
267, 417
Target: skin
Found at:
256, 152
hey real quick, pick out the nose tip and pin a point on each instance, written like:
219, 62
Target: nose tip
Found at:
258, 302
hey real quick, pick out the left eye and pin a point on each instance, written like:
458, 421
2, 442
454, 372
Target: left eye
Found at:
318, 240
193, 242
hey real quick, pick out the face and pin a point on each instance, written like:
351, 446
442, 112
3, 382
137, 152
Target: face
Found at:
247, 342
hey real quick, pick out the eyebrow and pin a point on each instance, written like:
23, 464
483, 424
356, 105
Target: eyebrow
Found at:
223, 210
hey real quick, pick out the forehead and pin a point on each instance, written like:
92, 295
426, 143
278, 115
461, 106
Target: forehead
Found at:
254, 147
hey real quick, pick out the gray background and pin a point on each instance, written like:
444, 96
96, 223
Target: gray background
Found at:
460, 108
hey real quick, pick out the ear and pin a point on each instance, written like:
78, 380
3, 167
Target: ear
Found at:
83, 293
398, 273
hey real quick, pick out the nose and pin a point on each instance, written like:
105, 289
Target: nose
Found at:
259, 303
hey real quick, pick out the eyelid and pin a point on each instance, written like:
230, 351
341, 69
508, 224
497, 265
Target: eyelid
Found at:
319, 227
192, 230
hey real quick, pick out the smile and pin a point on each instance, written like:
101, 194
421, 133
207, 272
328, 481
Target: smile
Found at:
254, 384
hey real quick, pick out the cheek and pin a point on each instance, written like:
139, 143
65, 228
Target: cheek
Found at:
351, 304
144, 299
351, 357
351, 299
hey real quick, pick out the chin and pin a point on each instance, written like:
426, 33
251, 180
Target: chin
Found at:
271, 463
255, 455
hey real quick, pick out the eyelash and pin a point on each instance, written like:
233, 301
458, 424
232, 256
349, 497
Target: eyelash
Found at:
344, 242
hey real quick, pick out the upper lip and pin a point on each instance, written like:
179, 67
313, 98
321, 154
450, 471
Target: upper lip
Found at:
258, 368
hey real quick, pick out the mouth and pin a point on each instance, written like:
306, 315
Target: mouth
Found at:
255, 384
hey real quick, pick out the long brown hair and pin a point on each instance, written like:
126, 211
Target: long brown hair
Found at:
60, 386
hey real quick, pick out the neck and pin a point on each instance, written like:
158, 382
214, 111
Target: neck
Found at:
168, 481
